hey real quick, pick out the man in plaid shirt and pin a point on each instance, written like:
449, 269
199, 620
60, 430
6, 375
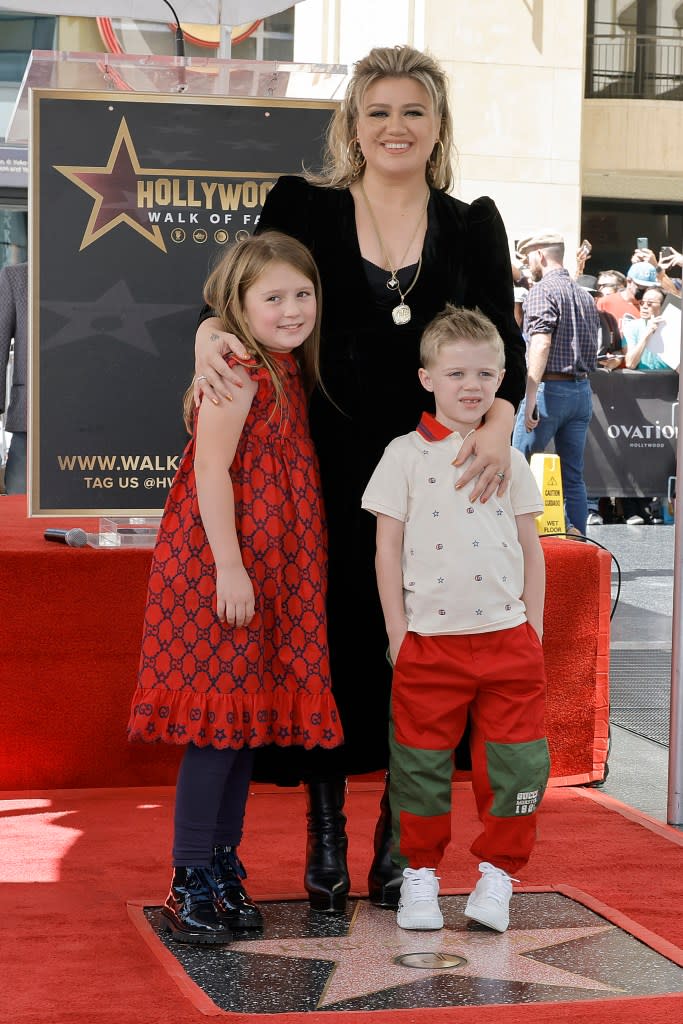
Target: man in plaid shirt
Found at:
561, 325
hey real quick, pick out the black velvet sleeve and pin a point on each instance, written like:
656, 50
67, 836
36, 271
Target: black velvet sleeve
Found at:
489, 287
286, 209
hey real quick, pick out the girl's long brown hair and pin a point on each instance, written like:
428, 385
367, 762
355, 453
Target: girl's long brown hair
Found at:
225, 289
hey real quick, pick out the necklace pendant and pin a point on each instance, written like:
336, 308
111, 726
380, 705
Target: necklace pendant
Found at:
392, 283
401, 314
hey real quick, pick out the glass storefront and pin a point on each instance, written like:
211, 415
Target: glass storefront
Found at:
614, 225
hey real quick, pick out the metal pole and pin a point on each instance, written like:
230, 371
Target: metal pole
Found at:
675, 790
225, 42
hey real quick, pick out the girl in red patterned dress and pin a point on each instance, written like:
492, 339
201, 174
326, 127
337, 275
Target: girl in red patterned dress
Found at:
234, 651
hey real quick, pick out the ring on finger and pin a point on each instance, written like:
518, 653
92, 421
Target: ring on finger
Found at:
202, 377
501, 476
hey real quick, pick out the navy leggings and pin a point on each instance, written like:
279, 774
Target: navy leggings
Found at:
211, 797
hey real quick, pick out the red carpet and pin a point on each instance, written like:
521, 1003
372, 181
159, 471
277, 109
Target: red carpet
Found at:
70, 860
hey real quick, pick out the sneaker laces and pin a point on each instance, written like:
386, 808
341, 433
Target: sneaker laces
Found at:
423, 884
498, 882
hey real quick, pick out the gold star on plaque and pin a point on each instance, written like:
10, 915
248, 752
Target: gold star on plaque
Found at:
114, 189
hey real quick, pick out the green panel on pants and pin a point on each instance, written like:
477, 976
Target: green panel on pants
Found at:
518, 773
420, 778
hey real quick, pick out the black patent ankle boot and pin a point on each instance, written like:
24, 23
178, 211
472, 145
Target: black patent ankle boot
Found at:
235, 906
190, 913
327, 876
385, 877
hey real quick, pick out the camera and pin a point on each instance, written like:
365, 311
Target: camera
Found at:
665, 251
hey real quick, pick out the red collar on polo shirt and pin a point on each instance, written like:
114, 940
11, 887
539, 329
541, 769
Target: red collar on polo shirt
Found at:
432, 429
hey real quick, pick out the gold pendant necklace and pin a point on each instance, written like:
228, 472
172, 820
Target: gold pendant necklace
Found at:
400, 314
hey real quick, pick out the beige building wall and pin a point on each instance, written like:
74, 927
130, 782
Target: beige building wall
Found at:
633, 148
79, 35
516, 69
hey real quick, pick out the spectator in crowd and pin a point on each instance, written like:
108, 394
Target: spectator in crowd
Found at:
14, 325
617, 294
670, 259
561, 325
638, 336
640, 333
610, 354
662, 279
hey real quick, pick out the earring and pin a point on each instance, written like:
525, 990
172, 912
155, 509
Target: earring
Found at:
355, 157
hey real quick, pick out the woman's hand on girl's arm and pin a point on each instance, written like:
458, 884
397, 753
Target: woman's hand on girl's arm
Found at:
490, 445
213, 377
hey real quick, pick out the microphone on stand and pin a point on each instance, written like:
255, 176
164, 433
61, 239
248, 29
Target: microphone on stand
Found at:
179, 47
75, 538
179, 38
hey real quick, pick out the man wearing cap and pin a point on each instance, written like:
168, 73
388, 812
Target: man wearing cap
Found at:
620, 295
561, 325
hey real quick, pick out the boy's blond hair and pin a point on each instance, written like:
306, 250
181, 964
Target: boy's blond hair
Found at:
455, 323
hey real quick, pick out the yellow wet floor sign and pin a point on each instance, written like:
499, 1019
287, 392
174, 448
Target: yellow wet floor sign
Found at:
546, 471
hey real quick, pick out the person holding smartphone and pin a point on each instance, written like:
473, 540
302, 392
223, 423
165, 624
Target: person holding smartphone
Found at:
639, 333
667, 259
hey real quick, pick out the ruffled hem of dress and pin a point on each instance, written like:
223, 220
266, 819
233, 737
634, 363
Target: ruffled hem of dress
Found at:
236, 720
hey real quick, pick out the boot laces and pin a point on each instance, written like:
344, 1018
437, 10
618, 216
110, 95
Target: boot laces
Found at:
229, 864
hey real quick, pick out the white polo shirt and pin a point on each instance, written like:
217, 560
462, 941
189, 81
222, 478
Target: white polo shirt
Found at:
463, 566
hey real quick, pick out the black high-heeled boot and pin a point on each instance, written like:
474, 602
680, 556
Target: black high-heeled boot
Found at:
327, 876
235, 905
190, 913
385, 877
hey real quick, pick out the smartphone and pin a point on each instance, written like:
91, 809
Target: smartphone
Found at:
534, 416
642, 243
665, 251
586, 247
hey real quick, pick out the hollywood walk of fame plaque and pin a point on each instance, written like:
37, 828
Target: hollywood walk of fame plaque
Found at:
556, 950
134, 197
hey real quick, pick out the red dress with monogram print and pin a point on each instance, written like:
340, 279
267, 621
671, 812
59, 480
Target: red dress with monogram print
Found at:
202, 681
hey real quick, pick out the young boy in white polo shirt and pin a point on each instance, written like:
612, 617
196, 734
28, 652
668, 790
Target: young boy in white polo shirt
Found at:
462, 586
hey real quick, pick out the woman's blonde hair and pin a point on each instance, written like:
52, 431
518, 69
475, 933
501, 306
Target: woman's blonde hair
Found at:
342, 165
225, 289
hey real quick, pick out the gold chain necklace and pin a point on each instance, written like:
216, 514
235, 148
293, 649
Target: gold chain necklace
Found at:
400, 314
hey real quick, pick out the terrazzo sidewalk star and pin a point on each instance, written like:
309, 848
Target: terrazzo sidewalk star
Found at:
364, 959
558, 949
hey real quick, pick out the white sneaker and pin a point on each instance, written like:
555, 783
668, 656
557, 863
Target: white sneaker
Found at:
635, 521
418, 906
489, 904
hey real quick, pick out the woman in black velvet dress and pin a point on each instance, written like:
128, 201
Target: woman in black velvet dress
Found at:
385, 234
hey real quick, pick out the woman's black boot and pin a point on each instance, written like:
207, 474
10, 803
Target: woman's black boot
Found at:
235, 906
385, 877
327, 876
190, 913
